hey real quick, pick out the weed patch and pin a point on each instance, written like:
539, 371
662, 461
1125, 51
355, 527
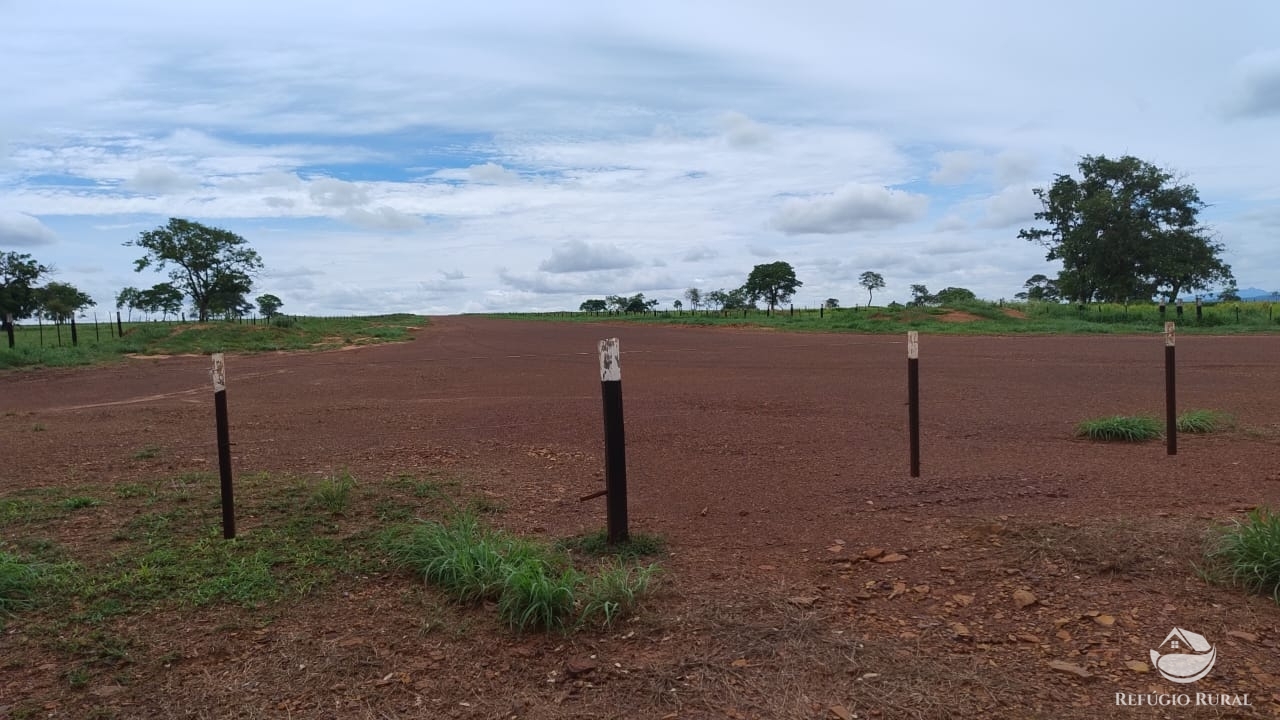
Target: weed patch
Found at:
1202, 421
1247, 553
1120, 428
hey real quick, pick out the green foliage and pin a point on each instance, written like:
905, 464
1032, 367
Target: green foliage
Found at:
60, 301
694, 296
871, 281
920, 296
18, 580
1202, 421
831, 303
593, 306
212, 266
534, 585
773, 282
1040, 288
79, 502
19, 274
632, 304
163, 298
334, 493
597, 545
1126, 231
269, 305
951, 296
1121, 428
1248, 552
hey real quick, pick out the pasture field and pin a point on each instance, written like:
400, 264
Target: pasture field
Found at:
802, 573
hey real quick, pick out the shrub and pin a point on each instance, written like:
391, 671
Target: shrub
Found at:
1248, 552
1122, 428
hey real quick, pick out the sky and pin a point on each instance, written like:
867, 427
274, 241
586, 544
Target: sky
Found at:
515, 156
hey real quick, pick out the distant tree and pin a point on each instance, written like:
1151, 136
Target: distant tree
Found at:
1126, 230
773, 282
210, 265
129, 299
694, 296
638, 304
920, 296
953, 295
60, 301
1040, 287
228, 297
871, 281
616, 302
718, 298
739, 299
1230, 292
19, 274
593, 306
831, 304
269, 305
677, 305
163, 298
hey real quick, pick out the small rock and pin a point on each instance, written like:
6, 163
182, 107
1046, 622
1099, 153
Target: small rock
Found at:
891, 558
579, 666
1105, 620
1242, 635
872, 553
841, 712
1137, 666
1023, 598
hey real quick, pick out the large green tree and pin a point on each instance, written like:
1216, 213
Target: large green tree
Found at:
1126, 230
773, 282
163, 298
269, 305
59, 301
19, 274
210, 265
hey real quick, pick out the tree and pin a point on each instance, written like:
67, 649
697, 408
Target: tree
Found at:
1041, 288
677, 304
694, 296
163, 298
773, 282
129, 298
738, 298
637, 304
718, 298
1125, 231
269, 305
209, 264
953, 295
228, 296
593, 306
616, 302
59, 301
831, 304
18, 277
920, 296
1230, 292
871, 281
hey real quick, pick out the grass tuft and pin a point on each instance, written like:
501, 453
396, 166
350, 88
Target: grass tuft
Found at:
534, 585
1203, 421
1122, 428
1247, 552
334, 493
18, 581
597, 545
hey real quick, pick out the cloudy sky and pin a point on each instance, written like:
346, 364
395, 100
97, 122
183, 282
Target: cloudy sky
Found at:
442, 157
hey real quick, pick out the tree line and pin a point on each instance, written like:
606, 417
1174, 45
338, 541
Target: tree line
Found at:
210, 267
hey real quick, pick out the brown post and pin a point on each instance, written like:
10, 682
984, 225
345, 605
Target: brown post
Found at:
913, 399
224, 445
1170, 393
615, 444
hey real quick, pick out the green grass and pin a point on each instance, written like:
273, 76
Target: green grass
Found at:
534, 585
1120, 428
1203, 421
147, 453
18, 583
79, 502
597, 545
988, 318
171, 338
1247, 553
334, 493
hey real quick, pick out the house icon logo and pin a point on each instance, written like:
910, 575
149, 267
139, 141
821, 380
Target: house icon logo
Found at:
1184, 656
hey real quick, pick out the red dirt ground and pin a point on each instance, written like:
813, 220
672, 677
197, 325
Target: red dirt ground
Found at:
770, 462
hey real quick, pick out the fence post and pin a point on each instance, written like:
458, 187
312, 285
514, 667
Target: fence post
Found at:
615, 445
913, 399
224, 445
119, 325
75, 339
1170, 394
8, 328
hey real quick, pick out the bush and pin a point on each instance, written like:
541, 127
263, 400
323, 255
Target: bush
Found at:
1121, 428
1248, 552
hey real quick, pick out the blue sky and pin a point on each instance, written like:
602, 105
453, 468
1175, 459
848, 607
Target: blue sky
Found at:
405, 156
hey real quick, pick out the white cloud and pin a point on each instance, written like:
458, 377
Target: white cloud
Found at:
492, 173
1257, 85
955, 167
334, 193
22, 230
1016, 166
852, 208
577, 256
160, 180
382, 218
700, 252
741, 131
1013, 205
